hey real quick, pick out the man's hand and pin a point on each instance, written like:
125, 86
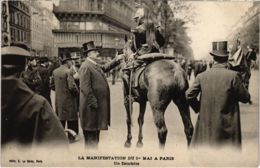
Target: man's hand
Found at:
134, 30
120, 57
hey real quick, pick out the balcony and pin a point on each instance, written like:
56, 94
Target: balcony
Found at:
106, 11
105, 39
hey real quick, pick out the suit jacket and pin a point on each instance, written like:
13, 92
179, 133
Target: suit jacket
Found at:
27, 118
94, 95
66, 93
220, 91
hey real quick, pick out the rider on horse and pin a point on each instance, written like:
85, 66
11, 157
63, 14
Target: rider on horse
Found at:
146, 39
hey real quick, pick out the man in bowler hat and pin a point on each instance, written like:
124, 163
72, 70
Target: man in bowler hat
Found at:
220, 91
66, 93
94, 94
27, 118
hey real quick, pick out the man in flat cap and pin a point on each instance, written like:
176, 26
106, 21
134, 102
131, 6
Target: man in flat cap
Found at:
27, 118
220, 91
66, 93
94, 95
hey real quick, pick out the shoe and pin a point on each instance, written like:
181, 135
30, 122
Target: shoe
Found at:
250, 102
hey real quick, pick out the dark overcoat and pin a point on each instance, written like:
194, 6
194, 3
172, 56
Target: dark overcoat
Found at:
27, 118
66, 93
219, 115
94, 95
45, 76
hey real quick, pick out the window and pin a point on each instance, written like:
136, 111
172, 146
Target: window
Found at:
100, 5
91, 5
21, 20
25, 36
18, 19
18, 35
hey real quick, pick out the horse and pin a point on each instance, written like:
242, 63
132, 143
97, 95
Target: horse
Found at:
161, 82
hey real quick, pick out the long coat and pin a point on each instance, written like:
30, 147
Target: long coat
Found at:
27, 118
94, 95
219, 115
66, 93
45, 76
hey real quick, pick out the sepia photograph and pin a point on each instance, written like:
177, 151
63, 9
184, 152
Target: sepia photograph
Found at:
130, 83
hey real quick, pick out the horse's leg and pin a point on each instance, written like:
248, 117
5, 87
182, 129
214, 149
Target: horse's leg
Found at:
129, 124
183, 107
141, 122
128, 114
159, 106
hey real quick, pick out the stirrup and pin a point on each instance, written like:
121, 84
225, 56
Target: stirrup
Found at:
132, 97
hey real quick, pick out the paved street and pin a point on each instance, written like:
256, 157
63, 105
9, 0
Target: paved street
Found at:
112, 141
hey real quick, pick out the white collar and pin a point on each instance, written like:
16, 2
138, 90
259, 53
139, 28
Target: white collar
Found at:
92, 61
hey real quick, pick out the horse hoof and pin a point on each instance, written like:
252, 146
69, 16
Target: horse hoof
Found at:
161, 146
127, 144
139, 144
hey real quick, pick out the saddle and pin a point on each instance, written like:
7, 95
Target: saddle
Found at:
136, 75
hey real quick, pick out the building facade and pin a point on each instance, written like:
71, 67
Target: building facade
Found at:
16, 20
106, 22
41, 29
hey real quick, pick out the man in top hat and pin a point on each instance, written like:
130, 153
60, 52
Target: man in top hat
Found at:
66, 93
27, 118
220, 91
94, 94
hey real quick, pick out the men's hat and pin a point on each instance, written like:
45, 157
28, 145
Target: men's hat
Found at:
219, 49
14, 56
89, 46
43, 59
66, 57
14, 51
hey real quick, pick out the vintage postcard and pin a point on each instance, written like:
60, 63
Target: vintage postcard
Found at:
129, 83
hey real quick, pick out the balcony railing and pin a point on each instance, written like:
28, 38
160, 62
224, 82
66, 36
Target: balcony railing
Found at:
106, 9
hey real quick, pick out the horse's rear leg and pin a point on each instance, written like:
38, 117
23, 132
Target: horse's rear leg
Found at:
158, 107
183, 107
141, 122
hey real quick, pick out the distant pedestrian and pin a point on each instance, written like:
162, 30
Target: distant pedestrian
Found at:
66, 93
31, 76
220, 91
250, 58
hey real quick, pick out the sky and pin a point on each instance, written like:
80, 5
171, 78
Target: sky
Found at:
213, 21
